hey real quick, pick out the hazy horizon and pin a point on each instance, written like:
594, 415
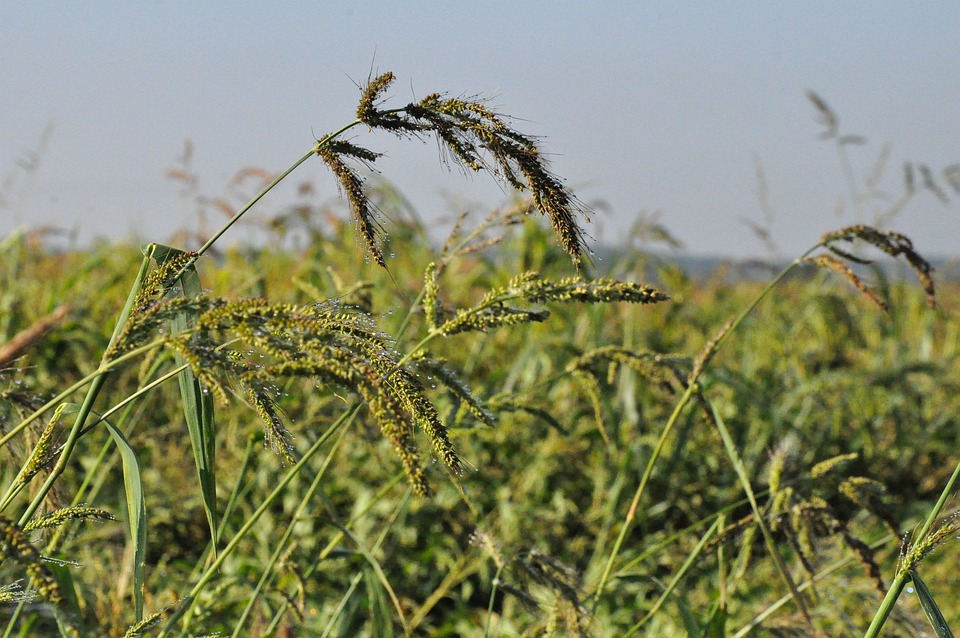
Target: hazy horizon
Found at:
669, 109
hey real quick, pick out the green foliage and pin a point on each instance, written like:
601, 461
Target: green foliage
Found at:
475, 441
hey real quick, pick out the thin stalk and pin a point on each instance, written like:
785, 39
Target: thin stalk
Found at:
15, 489
678, 409
677, 577
903, 572
638, 494
718, 515
93, 480
356, 579
14, 617
288, 532
847, 167
97, 378
131, 298
235, 493
341, 534
208, 575
66, 451
105, 367
741, 471
240, 213
493, 594
806, 584
413, 308
136, 395
466, 565
334, 542
269, 187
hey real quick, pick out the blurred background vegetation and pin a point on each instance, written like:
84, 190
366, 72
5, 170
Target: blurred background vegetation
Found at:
817, 372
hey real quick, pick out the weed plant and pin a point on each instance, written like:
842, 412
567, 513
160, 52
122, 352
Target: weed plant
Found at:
483, 440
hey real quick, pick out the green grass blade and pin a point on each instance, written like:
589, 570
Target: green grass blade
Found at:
282, 544
378, 572
197, 405
738, 466
136, 510
930, 608
128, 304
70, 607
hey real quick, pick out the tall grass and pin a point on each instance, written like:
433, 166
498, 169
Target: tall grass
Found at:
489, 439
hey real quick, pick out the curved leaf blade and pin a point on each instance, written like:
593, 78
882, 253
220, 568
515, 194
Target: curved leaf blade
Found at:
197, 405
930, 608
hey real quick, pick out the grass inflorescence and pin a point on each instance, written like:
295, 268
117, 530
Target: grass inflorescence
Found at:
480, 440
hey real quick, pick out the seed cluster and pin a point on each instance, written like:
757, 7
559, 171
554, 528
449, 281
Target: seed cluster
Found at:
891, 243
274, 341
476, 137
492, 310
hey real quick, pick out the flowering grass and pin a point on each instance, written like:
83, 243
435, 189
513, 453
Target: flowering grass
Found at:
376, 437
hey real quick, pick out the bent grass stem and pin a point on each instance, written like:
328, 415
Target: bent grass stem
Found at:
671, 422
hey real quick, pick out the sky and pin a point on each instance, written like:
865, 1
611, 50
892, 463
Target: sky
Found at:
649, 110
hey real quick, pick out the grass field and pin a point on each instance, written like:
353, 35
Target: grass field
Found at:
300, 441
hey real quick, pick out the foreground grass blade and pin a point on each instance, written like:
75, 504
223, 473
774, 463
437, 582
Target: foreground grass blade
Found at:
282, 544
197, 405
930, 608
136, 511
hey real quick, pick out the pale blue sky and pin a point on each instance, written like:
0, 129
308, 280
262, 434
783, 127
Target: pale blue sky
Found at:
657, 106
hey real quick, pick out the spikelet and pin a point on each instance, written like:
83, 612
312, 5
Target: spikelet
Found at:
891, 243
589, 384
707, 351
43, 451
825, 467
778, 461
478, 138
63, 515
662, 370
491, 311
13, 593
15, 547
273, 341
431, 296
945, 531
826, 116
448, 378
830, 262
805, 517
371, 94
137, 630
351, 184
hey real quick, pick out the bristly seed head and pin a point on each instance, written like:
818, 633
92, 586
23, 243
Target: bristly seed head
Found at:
891, 243
471, 132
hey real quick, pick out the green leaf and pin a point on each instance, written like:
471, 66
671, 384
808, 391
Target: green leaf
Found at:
136, 510
934, 615
197, 405
689, 622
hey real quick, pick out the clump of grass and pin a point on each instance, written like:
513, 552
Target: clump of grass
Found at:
638, 468
220, 348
